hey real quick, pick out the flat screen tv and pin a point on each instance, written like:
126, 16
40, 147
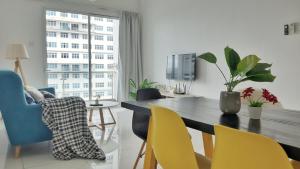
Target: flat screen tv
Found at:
181, 67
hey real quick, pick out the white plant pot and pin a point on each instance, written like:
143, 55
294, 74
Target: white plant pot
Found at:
255, 112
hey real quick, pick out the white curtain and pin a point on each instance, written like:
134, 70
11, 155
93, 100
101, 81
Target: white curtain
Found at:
130, 66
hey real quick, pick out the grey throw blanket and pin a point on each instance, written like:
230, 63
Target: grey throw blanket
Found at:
67, 119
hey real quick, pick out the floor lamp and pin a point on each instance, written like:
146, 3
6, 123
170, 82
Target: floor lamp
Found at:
17, 52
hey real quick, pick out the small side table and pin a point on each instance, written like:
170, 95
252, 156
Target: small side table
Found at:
104, 104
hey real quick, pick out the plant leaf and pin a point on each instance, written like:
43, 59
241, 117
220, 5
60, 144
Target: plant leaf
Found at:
209, 57
260, 68
246, 64
132, 83
264, 77
232, 59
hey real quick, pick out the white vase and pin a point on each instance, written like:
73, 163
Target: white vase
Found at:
254, 112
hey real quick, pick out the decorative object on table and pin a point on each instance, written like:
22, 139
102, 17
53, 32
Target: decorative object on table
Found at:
255, 103
180, 89
17, 52
66, 118
98, 97
144, 85
241, 70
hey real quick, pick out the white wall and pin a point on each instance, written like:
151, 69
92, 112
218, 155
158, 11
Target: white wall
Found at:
23, 21
249, 26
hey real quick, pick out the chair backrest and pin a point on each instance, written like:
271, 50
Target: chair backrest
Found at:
171, 143
148, 94
236, 149
11, 93
140, 120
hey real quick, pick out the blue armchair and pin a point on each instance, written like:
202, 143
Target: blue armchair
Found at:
23, 122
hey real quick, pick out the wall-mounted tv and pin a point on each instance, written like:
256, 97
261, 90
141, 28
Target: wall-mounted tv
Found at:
181, 67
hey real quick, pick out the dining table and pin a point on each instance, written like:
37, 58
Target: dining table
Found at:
202, 114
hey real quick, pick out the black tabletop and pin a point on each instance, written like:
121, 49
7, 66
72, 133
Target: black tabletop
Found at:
201, 114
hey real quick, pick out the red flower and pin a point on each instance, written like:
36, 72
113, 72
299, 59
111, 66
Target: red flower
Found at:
269, 97
247, 92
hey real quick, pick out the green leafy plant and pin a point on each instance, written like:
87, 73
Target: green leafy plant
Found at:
241, 70
144, 85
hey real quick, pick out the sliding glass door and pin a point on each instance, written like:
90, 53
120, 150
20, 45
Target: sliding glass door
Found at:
82, 54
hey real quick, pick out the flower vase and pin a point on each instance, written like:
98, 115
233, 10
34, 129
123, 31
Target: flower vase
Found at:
254, 112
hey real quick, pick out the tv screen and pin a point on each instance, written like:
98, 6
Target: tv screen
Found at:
181, 67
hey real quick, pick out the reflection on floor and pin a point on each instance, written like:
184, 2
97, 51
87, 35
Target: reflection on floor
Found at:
117, 141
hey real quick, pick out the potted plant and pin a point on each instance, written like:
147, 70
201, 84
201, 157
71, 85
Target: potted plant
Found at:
144, 85
255, 103
241, 70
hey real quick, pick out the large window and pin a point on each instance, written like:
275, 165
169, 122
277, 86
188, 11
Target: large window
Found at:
82, 52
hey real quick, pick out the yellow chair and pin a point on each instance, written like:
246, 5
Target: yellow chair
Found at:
235, 149
171, 142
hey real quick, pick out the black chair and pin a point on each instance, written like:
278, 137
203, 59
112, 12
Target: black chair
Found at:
140, 120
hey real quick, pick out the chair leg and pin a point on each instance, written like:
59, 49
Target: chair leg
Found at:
17, 151
139, 155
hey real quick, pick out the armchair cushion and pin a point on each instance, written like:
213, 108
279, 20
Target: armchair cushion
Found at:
35, 93
47, 95
29, 98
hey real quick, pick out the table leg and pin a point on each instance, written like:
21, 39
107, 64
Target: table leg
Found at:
296, 164
112, 116
208, 144
91, 115
150, 161
102, 119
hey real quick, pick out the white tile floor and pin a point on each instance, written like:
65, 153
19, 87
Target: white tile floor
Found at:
118, 142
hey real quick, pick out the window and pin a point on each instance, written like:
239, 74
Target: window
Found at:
64, 45
100, 93
52, 55
75, 68
85, 66
84, 26
99, 85
75, 45
72, 68
110, 57
99, 56
50, 13
51, 34
85, 56
110, 47
84, 36
64, 26
66, 86
99, 37
109, 20
99, 28
75, 36
110, 75
51, 65
75, 55
74, 15
99, 75
110, 66
65, 76
63, 14
85, 46
51, 23
65, 55
86, 75
51, 44
65, 67
110, 29
75, 76
74, 27
64, 35
98, 19
110, 38
99, 66
76, 85
99, 47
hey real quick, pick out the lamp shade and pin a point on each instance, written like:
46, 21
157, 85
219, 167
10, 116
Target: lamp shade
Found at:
16, 51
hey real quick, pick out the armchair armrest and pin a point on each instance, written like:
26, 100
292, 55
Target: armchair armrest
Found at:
48, 89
